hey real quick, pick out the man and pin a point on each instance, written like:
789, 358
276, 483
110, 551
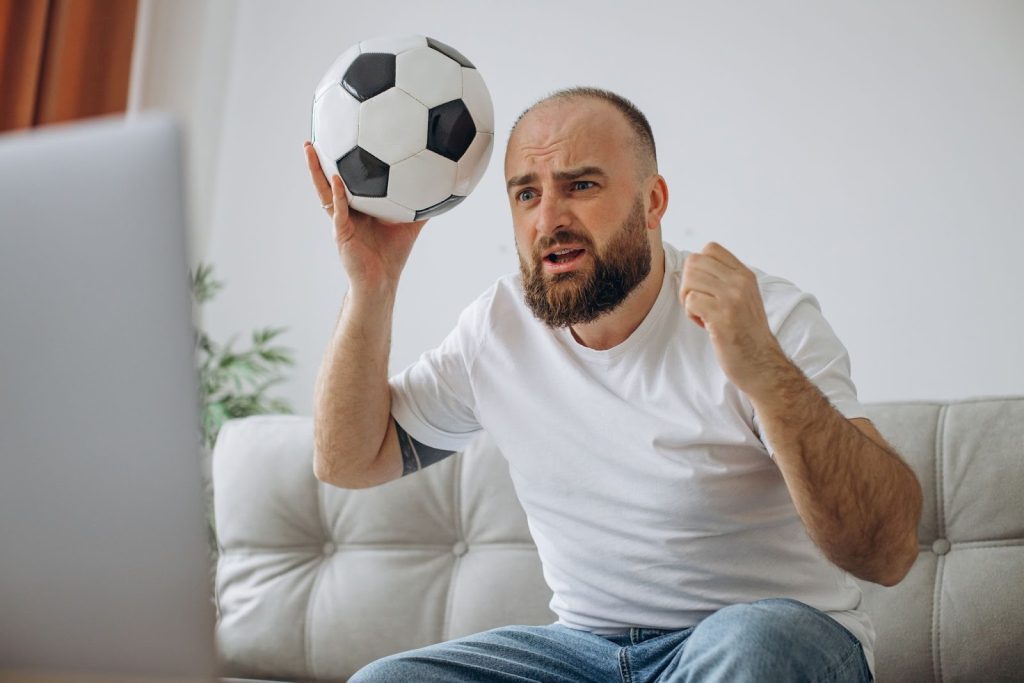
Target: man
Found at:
698, 502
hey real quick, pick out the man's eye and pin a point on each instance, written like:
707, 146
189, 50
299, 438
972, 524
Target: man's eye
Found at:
523, 195
583, 182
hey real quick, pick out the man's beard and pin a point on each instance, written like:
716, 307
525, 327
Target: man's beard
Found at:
581, 296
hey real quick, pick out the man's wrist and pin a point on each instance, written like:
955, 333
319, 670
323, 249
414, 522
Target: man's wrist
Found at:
367, 294
776, 381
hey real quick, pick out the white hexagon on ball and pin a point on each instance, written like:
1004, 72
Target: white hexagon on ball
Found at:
392, 126
334, 138
422, 181
473, 163
429, 76
477, 100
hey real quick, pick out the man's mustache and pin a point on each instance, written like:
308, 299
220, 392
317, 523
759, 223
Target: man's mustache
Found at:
561, 238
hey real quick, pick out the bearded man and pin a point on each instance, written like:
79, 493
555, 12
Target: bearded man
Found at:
681, 430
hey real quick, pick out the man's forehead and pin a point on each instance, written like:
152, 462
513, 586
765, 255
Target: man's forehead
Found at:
571, 134
554, 121
559, 155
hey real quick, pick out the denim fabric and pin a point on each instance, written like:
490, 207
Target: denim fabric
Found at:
767, 640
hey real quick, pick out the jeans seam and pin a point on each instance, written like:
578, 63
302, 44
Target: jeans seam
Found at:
624, 672
829, 673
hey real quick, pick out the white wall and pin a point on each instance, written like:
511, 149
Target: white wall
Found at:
181, 64
871, 152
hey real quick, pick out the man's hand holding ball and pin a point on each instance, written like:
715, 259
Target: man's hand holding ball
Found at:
372, 252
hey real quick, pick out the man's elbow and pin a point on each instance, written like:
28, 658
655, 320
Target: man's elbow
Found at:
899, 563
886, 556
328, 460
375, 472
903, 553
908, 551
322, 468
894, 558
326, 470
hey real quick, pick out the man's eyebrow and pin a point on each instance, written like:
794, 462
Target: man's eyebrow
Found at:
568, 174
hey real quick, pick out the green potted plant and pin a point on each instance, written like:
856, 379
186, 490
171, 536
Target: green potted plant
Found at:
232, 383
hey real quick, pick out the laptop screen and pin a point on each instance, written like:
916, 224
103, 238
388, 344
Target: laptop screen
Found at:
104, 559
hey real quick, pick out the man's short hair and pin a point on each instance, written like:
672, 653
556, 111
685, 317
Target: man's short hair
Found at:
643, 136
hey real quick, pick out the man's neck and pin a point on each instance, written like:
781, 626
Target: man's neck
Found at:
612, 329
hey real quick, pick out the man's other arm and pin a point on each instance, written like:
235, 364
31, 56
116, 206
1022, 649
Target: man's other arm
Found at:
858, 499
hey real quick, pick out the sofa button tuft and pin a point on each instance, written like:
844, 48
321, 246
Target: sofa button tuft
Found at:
460, 548
940, 546
329, 548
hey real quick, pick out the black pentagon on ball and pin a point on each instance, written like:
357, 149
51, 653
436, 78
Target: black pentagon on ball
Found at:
364, 174
450, 129
449, 51
370, 74
440, 207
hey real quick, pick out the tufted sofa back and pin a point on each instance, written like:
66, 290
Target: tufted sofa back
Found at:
315, 581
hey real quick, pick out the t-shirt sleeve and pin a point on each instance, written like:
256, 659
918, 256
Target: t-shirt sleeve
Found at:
433, 397
812, 345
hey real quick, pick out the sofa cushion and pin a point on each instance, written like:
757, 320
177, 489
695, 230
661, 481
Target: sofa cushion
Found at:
315, 581
957, 615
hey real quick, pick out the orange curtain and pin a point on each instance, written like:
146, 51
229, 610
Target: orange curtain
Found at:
63, 59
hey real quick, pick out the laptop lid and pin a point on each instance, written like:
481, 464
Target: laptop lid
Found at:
104, 559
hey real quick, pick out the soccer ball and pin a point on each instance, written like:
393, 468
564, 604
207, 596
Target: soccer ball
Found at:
408, 124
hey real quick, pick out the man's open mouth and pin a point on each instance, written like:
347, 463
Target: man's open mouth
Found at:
563, 255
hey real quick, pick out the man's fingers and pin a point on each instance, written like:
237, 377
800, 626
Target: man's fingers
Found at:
320, 183
708, 273
706, 293
698, 305
339, 199
723, 255
708, 263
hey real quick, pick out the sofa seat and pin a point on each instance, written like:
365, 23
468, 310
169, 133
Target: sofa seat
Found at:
314, 581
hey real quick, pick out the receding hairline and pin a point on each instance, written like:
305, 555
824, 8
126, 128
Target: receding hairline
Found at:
642, 142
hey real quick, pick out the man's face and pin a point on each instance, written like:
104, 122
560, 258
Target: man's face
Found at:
580, 295
578, 213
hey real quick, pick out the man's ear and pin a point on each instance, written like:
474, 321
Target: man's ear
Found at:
657, 200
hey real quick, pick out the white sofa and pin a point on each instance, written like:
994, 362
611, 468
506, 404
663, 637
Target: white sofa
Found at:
315, 581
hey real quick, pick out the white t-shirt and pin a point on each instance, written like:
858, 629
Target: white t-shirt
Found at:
650, 496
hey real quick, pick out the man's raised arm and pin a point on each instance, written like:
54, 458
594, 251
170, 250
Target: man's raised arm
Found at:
356, 442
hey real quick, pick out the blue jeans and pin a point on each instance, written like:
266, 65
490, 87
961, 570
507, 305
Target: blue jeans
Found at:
767, 640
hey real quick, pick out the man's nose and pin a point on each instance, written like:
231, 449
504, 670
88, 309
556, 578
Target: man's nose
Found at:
552, 214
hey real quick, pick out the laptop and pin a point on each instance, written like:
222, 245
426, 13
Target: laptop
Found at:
105, 566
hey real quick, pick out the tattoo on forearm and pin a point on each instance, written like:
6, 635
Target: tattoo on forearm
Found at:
415, 455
